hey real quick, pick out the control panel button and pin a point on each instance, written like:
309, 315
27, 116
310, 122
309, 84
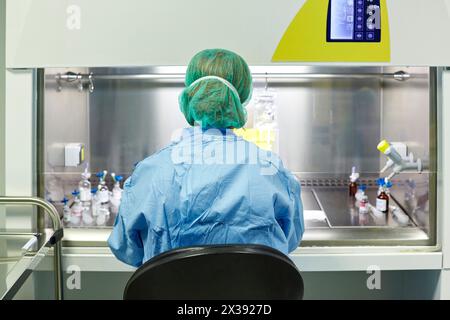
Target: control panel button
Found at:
359, 36
370, 36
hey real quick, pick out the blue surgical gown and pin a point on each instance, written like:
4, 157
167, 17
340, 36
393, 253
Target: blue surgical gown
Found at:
207, 187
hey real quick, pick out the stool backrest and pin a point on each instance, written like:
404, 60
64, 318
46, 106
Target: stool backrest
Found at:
217, 272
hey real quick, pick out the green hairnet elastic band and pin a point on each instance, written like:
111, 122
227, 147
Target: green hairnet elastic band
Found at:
224, 81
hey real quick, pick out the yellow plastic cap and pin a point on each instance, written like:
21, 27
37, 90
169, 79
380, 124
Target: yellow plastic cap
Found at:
82, 154
383, 146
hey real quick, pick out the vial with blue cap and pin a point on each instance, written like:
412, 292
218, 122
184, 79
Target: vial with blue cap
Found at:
76, 210
94, 202
380, 183
360, 194
102, 190
103, 200
84, 186
363, 200
116, 195
382, 203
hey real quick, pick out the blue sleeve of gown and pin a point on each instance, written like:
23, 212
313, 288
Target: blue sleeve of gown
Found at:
125, 240
288, 208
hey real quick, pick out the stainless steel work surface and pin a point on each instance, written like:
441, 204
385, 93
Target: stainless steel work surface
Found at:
338, 222
342, 212
313, 215
309, 200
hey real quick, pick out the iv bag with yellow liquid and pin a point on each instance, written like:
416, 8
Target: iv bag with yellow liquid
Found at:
262, 130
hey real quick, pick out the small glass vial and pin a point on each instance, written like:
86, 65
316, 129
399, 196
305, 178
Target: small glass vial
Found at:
364, 205
353, 186
66, 212
352, 189
76, 210
84, 187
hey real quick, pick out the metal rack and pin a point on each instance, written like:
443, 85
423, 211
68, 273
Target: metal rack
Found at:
56, 237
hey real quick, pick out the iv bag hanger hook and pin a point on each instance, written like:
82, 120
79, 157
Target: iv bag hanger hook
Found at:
80, 82
58, 82
79, 79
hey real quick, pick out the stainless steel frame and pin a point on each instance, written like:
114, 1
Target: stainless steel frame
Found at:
318, 88
56, 238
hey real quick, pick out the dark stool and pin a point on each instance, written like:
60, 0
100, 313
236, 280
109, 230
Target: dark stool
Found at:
217, 272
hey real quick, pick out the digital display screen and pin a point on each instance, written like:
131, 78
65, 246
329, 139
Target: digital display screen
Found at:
342, 14
354, 21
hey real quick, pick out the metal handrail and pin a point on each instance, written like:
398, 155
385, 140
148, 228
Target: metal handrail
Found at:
71, 76
81, 79
56, 238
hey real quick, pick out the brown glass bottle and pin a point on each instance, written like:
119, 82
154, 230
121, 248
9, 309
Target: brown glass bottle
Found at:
383, 202
352, 189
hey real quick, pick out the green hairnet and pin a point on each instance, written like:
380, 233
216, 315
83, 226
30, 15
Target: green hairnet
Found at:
213, 102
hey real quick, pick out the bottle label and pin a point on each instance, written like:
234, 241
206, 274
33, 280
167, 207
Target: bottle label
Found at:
381, 205
76, 211
85, 195
103, 196
66, 215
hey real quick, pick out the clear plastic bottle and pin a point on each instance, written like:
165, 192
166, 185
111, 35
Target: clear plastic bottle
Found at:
84, 187
116, 194
87, 218
94, 202
76, 209
66, 212
103, 201
103, 191
103, 214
